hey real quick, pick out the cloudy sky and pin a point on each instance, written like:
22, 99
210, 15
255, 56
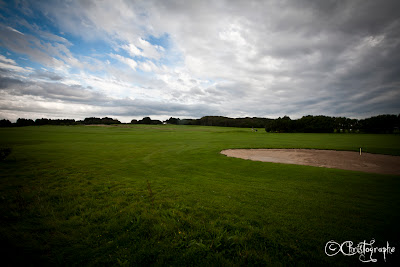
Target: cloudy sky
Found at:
129, 59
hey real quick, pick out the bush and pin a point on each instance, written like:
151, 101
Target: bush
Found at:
5, 123
4, 152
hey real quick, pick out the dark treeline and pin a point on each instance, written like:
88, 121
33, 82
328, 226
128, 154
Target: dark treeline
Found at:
39, 122
93, 120
146, 120
325, 124
222, 121
234, 122
54, 122
306, 124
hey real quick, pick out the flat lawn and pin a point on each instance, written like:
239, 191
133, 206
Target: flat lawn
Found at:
164, 195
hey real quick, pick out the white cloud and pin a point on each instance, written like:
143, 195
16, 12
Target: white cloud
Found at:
149, 50
128, 61
7, 60
14, 30
142, 48
133, 50
148, 66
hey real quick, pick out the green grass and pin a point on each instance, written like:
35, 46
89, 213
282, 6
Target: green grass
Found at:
164, 195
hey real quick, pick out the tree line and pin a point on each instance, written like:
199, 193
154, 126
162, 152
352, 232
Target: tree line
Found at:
326, 124
39, 122
307, 124
146, 120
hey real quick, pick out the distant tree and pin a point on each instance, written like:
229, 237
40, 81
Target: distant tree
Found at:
134, 121
173, 121
105, 120
24, 122
380, 124
148, 120
230, 122
91, 120
215, 121
284, 125
189, 122
68, 122
281, 125
42, 122
156, 122
5, 123
145, 120
270, 126
315, 124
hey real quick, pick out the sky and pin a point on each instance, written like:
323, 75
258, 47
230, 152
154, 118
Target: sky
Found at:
187, 59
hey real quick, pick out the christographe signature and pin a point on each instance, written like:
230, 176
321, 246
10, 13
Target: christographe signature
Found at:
364, 249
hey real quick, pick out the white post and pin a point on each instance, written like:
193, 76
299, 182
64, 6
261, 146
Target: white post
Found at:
360, 151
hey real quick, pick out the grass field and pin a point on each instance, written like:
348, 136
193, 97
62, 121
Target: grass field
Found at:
164, 195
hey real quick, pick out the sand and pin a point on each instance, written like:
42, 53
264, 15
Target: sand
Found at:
346, 160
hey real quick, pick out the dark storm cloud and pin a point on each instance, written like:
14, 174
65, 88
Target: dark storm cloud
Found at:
253, 58
331, 53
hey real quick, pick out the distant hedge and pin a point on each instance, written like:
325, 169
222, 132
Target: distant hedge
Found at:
307, 124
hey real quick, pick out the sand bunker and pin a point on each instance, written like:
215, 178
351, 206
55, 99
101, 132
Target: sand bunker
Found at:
346, 160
